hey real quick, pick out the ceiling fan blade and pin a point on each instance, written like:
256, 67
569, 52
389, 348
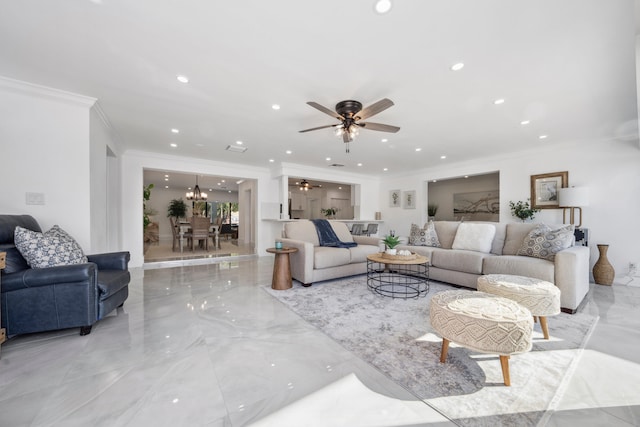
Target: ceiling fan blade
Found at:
320, 127
375, 108
325, 110
379, 127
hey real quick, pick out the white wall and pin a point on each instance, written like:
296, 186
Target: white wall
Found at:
44, 136
610, 169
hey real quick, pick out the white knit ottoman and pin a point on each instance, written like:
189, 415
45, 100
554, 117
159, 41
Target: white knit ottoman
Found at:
540, 297
482, 322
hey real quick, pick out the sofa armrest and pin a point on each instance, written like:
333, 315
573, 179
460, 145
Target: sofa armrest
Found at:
301, 261
571, 270
111, 260
37, 277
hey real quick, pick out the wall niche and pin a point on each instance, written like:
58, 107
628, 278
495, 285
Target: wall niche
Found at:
467, 198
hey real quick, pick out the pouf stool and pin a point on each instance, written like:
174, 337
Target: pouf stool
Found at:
482, 322
540, 297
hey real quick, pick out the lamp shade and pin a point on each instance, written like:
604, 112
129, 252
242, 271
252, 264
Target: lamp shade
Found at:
573, 197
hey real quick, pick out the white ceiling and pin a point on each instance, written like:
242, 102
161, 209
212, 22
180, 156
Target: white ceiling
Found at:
567, 66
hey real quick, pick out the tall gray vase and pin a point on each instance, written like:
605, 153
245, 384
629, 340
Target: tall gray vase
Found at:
603, 272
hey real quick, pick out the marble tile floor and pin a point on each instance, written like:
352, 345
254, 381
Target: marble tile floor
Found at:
203, 345
162, 251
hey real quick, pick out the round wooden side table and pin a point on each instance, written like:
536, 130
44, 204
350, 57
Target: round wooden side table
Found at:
281, 268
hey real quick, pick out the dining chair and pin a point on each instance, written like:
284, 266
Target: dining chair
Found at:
371, 229
175, 231
200, 231
356, 229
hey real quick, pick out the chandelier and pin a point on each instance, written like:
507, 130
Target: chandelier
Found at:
196, 194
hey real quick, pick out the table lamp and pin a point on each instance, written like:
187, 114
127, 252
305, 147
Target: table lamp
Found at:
573, 198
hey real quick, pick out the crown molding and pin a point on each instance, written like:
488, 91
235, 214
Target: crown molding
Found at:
33, 89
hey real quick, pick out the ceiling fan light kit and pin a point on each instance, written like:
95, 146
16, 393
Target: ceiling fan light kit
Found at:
350, 112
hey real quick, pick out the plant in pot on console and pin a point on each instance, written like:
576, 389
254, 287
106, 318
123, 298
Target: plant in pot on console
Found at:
329, 212
177, 209
522, 210
432, 209
390, 242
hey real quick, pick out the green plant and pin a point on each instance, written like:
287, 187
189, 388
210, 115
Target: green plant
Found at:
329, 211
432, 209
177, 209
522, 210
146, 195
391, 241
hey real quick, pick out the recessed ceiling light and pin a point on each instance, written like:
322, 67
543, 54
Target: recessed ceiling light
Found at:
499, 101
229, 191
166, 179
383, 6
239, 142
275, 106
339, 188
384, 140
457, 67
219, 183
435, 180
166, 186
271, 160
466, 176
385, 169
182, 78
418, 149
240, 181
166, 176
288, 151
174, 130
173, 144
359, 164
443, 157
328, 159
543, 136
525, 122
222, 180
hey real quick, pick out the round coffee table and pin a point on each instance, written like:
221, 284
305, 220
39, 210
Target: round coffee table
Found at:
398, 278
281, 268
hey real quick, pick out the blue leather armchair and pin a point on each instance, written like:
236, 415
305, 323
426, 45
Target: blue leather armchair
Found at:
44, 299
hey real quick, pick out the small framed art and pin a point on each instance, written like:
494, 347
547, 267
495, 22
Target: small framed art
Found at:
409, 199
394, 198
544, 189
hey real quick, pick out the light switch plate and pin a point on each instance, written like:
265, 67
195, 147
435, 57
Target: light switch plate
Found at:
35, 198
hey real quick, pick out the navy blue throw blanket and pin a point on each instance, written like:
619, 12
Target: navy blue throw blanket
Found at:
328, 237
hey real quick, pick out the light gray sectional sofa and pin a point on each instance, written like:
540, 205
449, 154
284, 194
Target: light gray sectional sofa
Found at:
569, 270
313, 263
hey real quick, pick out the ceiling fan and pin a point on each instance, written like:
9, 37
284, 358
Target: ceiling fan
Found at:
350, 113
306, 186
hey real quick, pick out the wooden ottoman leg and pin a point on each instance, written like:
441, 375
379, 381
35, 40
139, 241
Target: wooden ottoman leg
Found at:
504, 362
445, 349
545, 328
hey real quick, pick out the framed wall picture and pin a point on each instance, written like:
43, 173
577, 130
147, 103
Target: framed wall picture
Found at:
394, 198
544, 189
409, 199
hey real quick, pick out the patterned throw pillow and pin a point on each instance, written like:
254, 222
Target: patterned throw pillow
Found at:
424, 236
543, 242
49, 249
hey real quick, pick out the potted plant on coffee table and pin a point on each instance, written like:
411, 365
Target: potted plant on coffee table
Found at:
390, 242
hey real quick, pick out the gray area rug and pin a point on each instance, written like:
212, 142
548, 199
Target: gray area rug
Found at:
395, 336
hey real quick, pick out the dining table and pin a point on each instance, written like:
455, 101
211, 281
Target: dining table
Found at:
185, 227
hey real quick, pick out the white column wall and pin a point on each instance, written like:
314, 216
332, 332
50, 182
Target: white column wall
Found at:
44, 148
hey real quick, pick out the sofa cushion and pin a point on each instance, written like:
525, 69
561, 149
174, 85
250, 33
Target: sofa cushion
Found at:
446, 231
426, 236
474, 237
543, 242
516, 233
325, 257
458, 260
359, 253
49, 249
342, 231
301, 230
520, 266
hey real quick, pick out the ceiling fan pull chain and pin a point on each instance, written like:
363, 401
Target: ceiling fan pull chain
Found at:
347, 151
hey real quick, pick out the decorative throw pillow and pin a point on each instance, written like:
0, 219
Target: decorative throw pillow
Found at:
543, 242
474, 237
424, 236
49, 249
